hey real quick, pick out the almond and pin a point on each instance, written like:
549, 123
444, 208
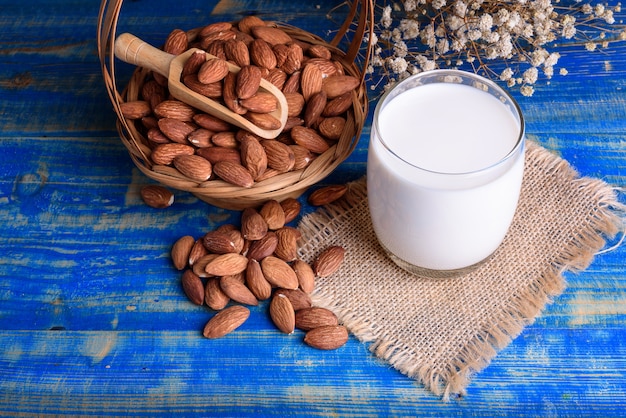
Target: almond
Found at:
198, 251
217, 154
213, 70
199, 266
150, 122
262, 55
229, 94
279, 156
234, 287
287, 246
248, 22
263, 120
136, 109
263, 247
233, 173
314, 108
253, 155
292, 208
319, 51
211, 122
262, 102
194, 167
303, 156
299, 299
226, 321
256, 282
277, 77
212, 90
156, 137
295, 104
305, 274
226, 265
224, 139
237, 239
293, 59
215, 37
193, 64
337, 85
219, 242
338, 105
175, 129
280, 51
164, 154
329, 261
200, 138
328, 337
309, 139
215, 28
292, 85
174, 109
214, 296
326, 66
181, 250
327, 194
271, 35
237, 51
315, 317
214, 47
311, 80
282, 313
273, 214
176, 42
253, 226
193, 287
332, 127
157, 196
248, 81
279, 273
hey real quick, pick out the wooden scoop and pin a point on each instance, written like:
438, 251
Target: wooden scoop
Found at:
133, 50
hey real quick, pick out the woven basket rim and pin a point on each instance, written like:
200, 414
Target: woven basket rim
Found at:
218, 192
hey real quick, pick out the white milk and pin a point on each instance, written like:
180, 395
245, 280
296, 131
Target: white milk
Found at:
445, 200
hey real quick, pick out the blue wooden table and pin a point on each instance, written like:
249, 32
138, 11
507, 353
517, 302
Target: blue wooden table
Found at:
92, 316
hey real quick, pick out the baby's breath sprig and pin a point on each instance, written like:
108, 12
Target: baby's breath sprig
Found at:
500, 39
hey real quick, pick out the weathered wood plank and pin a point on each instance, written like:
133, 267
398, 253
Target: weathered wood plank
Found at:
92, 316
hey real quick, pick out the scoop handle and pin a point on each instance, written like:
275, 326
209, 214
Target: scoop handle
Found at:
133, 50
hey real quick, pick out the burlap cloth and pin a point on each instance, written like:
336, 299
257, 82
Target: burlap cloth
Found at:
441, 332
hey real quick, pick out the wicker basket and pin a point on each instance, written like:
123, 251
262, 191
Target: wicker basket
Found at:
217, 192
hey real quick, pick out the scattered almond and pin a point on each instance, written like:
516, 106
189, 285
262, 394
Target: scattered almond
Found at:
314, 317
226, 264
282, 313
234, 287
214, 296
329, 261
279, 273
328, 337
157, 196
181, 250
327, 194
226, 321
193, 287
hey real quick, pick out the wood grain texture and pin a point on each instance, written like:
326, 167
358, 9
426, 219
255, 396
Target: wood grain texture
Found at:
93, 319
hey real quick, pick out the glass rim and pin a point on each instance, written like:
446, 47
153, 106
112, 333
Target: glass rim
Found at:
467, 75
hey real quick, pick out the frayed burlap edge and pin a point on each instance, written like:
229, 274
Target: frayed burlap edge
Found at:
523, 309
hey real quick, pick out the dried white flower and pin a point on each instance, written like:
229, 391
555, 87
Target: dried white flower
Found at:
420, 35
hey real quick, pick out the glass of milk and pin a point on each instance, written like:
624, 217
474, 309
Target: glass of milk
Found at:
444, 171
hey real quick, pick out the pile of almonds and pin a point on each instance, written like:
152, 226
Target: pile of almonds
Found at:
230, 268
203, 148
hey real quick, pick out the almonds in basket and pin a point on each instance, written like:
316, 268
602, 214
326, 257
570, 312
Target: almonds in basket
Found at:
239, 113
